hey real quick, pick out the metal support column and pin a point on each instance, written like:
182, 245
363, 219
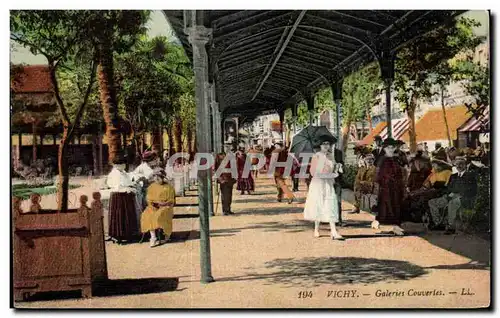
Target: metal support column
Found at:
281, 114
386, 62
388, 115
339, 151
294, 118
215, 134
211, 147
310, 107
199, 37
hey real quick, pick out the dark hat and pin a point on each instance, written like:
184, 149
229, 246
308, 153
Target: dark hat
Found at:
327, 138
460, 158
442, 163
439, 155
390, 142
119, 160
400, 142
159, 172
149, 156
378, 138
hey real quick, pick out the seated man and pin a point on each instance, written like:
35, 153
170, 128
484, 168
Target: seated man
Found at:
461, 192
416, 202
365, 181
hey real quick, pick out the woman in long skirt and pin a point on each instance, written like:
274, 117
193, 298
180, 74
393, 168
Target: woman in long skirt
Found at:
321, 203
390, 178
245, 182
160, 210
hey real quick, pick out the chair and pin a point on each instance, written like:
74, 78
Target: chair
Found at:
78, 171
366, 201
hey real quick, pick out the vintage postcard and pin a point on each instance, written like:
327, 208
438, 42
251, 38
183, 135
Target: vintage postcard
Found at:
250, 159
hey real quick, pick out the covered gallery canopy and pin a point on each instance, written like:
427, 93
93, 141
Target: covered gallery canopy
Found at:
265, 60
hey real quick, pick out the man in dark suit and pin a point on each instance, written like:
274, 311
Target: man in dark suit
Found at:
378, 152
460, 193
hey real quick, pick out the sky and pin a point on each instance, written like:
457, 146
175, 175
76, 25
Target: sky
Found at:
158, 25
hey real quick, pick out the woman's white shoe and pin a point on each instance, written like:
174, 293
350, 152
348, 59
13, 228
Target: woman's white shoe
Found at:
375, 225
398, 231
316, 234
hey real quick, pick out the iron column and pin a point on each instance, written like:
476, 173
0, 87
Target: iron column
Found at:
199, 37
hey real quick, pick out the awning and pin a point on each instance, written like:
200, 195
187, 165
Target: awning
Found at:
478, 124
399, 127
368, 140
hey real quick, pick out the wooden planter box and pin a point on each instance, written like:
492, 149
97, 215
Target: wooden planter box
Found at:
58, 251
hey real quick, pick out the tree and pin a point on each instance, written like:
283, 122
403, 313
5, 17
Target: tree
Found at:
58, 36
153, 81
360, 90
418, 62
113, 31
475, 79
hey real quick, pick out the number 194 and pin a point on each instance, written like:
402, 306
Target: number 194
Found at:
305, 294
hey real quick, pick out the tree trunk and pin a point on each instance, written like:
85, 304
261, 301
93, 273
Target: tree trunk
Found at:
450, 144
95, 154
62, 162
170, 142
177, 135
189, 137
355, 129
54, 139
345, 136
79, 139
410, 110
34, 142
135, 139
370, 124
156, 140
144, 146
108, 98
195, 145
99, 143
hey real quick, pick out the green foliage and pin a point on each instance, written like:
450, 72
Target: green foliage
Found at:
24, 191
424, 62
476, 82
349, 176
117, 29
360, 91
154, 81
54, 34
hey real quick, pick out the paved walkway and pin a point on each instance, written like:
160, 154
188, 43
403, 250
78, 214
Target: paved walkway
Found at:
265, 256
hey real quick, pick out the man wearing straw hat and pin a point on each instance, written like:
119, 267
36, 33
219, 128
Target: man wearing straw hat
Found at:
365, 180
461, 192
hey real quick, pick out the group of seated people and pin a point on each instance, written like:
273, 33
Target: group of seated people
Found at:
438, 185
141, 201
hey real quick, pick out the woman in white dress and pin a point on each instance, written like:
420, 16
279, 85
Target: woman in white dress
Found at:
321, 203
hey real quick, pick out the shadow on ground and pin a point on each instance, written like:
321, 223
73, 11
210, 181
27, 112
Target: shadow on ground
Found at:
116, 287
316, 271
297, 226
271, 210
470, 246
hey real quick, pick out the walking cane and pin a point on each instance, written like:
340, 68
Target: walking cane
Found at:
217, 201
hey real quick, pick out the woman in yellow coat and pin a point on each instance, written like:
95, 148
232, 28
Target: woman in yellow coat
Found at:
160, 210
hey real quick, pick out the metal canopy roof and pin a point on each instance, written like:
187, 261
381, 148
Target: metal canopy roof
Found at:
271, 59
